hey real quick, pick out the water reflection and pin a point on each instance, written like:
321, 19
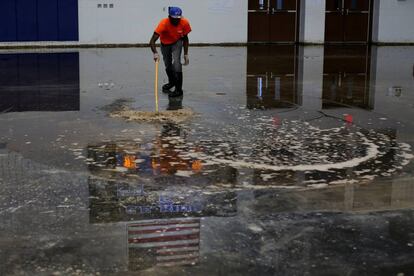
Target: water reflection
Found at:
162, 214
163, 155
121, 200
346, 77
271, 76
292, 153
39, 82
163, 242
221, 197
175, 103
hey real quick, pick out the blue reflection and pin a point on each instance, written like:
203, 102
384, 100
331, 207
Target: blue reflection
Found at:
259, 87
277, 88
354, 4
39, 82
279, 4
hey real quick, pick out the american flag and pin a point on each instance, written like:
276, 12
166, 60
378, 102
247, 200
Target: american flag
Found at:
164, 242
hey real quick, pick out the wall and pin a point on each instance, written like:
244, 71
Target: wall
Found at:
393, 21
312, 21
219, 21
132, 21
38, 20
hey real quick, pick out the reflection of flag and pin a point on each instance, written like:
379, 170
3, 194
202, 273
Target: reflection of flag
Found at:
171, 242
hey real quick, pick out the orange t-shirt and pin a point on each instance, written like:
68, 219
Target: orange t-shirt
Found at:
169, 34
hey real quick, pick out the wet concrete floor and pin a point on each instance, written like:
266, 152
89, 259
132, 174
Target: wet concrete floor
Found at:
298, 161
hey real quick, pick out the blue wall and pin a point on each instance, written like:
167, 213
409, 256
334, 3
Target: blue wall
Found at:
39, 20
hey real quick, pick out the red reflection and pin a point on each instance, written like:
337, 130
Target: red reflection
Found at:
349, 118
276, 121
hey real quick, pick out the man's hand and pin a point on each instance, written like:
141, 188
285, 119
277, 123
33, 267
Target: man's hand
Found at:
186, 60
156, 57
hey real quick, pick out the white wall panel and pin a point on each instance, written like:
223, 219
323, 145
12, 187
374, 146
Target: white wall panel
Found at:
133, 21
312, 26
394, 21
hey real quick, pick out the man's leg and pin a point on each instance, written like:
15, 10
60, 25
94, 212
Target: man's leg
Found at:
177, 68
166, 51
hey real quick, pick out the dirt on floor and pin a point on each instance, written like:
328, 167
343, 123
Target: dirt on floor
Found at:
174, 116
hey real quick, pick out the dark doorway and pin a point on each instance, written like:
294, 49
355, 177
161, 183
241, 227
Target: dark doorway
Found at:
271, 76
348, 21
346, 76
273, 21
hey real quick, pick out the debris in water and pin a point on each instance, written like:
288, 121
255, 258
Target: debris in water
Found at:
184, 173
174, 116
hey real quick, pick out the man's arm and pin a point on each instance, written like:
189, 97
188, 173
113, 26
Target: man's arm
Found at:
154, 39
186, 43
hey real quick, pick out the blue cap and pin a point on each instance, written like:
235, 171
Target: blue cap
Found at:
175, 12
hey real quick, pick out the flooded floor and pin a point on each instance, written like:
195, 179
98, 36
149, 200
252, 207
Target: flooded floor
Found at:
294, 161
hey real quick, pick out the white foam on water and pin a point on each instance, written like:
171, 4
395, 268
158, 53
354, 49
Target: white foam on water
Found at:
184, 173
315, 181
54, 171
120, 169
260, 187
405, 146
318, 186
345, 181
372, 152
255, 228
368, 177
407, 156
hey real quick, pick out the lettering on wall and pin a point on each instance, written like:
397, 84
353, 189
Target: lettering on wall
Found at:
219, 6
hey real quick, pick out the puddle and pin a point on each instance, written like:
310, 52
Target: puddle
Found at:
339, 155
277, 159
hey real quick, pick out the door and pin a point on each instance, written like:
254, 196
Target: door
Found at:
273, 21
357, 17
258, 17
347, 21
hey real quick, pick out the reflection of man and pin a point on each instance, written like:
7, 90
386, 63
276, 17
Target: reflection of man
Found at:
173, 33
169, 159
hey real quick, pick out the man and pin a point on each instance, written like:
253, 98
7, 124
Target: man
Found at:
172, 32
